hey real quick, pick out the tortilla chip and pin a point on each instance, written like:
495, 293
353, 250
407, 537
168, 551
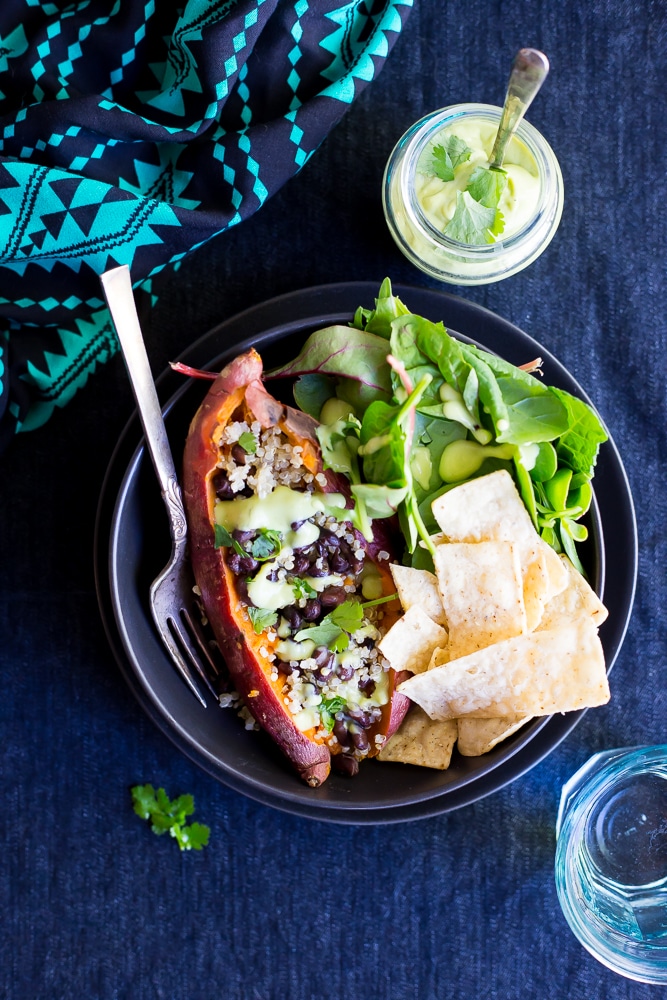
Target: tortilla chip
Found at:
421, 741
558, 670
418, 586
490, 508
557, 573
577, 600
478, 736
439, 656
482, 592
409, 643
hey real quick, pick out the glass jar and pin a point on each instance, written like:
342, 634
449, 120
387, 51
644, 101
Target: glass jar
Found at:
426, 245
611, 860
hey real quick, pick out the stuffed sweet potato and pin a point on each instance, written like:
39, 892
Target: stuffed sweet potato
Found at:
295, 596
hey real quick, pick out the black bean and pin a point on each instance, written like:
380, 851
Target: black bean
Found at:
243, 536
331, 597
239, 454
345, 671
295, 525
324, 657
319, 569
341, 732
338, 563
346, 764
328, 542
326, 664
301, 562
356, 566
248, 565
367, 686
292, 616
358, 737
287, 668
234, 562
364, 719
312, 610
322, 675
222, 486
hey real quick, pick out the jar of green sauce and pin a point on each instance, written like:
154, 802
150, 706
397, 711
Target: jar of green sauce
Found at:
457, 220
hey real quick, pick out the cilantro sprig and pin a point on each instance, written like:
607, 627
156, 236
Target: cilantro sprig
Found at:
335, 629
266, 545
477, 219
248, 442
302, 589
261, 618
328, 709
224, 540
169, 816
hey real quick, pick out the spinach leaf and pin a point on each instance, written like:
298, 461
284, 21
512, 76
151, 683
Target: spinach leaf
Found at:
312, 391
379, 320
355, 355
579, 445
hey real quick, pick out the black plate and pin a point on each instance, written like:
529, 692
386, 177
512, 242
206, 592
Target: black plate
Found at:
132, 546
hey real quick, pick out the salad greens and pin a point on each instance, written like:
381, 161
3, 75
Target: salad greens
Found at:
407, 412
168, 816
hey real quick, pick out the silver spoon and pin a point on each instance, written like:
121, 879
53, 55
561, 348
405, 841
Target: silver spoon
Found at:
529, 71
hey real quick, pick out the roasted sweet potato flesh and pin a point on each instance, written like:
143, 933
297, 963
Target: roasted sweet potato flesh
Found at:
238, 398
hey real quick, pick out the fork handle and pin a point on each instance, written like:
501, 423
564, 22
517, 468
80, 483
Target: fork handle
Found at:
117, 287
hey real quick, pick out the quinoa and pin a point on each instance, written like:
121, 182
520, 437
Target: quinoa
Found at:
338, 693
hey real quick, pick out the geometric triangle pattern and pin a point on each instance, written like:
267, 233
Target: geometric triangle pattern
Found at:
132, 131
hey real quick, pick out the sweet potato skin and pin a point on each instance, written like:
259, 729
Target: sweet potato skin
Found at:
240, 383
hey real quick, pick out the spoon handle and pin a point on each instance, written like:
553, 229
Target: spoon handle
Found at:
529, 71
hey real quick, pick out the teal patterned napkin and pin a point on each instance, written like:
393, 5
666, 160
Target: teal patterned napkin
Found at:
133, 131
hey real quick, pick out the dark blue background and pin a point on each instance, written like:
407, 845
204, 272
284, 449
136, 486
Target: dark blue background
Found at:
278, 907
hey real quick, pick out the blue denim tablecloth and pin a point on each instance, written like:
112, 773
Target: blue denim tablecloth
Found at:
281, 908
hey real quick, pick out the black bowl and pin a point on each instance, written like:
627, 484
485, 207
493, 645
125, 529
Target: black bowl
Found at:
132, 546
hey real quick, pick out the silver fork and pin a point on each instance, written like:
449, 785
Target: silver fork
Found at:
171, 593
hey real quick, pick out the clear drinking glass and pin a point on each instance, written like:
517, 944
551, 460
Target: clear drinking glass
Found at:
427, 246
611, 860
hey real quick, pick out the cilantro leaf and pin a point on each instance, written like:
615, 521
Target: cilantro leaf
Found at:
266, 545
144, 801
261, 618
458, 150
471, 221
348, 616
442, 165
328, 710
340, 643
194, 836
486, 186
335, 628
324, 634
168, 816
448, 156
248, 442
302, 589
223, 540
